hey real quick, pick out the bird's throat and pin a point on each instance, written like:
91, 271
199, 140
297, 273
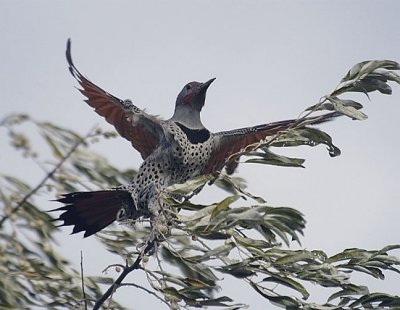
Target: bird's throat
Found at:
195, 136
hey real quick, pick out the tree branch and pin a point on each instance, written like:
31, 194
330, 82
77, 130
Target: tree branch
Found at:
48, 176
122, 276
83, 283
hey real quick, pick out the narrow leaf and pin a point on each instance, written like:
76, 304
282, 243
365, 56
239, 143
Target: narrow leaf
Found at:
289, 283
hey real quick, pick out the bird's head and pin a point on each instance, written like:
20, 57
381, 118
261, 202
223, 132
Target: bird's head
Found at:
193, 95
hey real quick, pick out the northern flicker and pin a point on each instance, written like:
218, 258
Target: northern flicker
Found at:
173, 151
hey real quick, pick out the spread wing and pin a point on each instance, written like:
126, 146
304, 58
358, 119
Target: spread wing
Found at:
144, 131
231, 142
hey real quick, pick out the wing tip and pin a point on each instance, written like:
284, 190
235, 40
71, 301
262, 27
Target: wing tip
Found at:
71, 67
68, 54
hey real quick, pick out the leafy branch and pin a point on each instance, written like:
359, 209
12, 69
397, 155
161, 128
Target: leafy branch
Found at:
220, 221
34, 273
240, 235
364, 77
117, 283
49, 175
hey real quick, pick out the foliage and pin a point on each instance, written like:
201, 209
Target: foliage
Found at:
241, 235
34, 273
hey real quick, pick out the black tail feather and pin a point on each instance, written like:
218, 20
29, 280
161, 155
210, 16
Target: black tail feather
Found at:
92, 211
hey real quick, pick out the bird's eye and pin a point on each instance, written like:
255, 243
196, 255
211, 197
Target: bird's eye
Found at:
188, 86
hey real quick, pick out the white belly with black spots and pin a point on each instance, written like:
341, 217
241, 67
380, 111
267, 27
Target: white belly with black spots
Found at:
183, 155
191, 150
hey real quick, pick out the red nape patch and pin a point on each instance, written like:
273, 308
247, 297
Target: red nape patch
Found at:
187, 98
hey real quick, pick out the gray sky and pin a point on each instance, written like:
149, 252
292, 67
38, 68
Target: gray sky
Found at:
272, 59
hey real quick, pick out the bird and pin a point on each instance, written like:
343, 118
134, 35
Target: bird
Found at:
173, 151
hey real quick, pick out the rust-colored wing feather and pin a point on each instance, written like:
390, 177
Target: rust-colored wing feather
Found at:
231, 142
141, 129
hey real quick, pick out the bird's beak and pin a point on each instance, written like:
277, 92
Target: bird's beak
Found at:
204, 86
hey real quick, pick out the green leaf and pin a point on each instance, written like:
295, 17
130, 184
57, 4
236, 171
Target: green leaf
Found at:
306, 136
102, 280
20, 185
196, 283
249, 242
346, 109
369, 76
349, 290
231, 184
284, 301
190, 185
218, 252
265, 156
329, 106
289, 283
387, 249
299, 256
190, 269
223, 205
235, 182
187, 205
365, 68
352, 253
383, 299
220, 301
375, 272
56, 151
238, 270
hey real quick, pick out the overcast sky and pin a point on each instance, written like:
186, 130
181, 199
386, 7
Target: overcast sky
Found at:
271, 59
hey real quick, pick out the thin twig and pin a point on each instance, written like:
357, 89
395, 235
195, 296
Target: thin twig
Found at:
122, 276
83, 283
113, 265
146, 290
48, 176
150, 273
